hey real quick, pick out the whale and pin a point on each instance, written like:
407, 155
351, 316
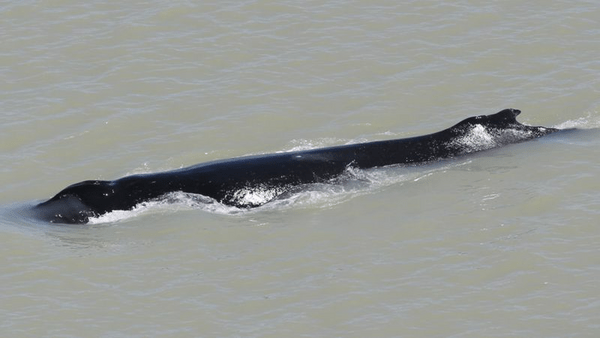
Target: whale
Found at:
228, 181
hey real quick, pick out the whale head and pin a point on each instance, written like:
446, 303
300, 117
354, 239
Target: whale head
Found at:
81, 201
78, 202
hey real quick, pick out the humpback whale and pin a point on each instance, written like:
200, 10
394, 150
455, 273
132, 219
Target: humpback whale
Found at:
226, 180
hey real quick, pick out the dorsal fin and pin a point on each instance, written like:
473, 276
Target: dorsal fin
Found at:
502, 119
505, 117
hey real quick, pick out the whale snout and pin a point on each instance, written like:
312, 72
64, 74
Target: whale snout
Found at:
68, 209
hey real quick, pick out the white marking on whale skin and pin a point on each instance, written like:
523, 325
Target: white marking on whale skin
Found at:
476, 139
257, 195
481, 138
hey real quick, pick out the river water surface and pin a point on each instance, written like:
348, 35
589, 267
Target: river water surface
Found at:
501, 243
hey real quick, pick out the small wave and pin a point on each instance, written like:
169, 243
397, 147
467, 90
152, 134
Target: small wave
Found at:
591, 121
302, 144
168, 203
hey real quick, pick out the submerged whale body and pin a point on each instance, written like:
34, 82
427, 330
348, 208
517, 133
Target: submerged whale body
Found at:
227, 180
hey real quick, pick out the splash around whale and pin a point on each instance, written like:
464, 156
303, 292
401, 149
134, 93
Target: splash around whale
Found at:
229, 181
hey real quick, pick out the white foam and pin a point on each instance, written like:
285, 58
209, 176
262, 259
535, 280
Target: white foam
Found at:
169, 203
591, 121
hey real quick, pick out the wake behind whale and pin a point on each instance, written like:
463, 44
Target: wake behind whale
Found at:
252, 181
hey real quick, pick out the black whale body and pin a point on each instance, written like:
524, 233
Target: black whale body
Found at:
223, 180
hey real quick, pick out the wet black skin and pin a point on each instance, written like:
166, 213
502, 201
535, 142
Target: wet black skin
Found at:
282, 171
